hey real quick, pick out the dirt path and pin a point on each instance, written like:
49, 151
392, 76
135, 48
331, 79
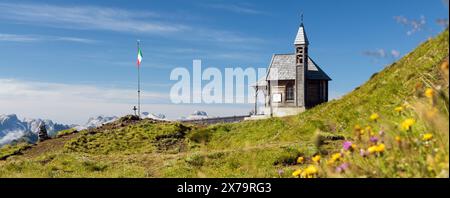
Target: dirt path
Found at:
48, 145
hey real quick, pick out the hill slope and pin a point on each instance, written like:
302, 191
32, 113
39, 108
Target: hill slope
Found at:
400, 115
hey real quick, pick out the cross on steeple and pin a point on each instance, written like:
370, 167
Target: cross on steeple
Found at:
302, 18
301, 38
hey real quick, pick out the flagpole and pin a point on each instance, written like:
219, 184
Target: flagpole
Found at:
139, 83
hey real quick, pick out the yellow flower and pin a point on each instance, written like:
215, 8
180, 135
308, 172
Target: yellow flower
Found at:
372, 149
376, 149
398, 139
361, 132
429, 93
300, 160
380, 148
427, 137
316, 159
297, 173
310, 172
374, 117
407, 124
336, 157
398, 109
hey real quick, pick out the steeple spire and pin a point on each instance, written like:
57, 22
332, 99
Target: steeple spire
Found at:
302, 19
301, 38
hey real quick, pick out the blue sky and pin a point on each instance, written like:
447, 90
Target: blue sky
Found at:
67, 61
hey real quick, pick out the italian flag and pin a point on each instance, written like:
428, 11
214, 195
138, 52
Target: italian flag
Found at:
139, 57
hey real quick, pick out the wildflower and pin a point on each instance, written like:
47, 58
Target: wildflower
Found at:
427, 137
297, 173
347, 145
336, 157
362, 132
372, 149
374, 139
300, 160
381, 133
380, 148
310, 172
399, 109
374, 117
316, 159
429, 93
342, 168
363, 153
407, 124
280, 172
358, 130
398, 139
376, 149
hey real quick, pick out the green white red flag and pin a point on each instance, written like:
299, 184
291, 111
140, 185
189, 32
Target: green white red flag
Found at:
139, 57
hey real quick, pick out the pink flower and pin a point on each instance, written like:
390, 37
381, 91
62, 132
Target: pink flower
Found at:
280, 172
363, 153
381, 133
342, 168
347, 145
374, 139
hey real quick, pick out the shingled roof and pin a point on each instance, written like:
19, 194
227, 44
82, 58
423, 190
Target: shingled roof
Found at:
284, 65
301, 38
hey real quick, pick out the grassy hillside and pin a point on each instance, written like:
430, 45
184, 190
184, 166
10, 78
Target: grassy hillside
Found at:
395, 125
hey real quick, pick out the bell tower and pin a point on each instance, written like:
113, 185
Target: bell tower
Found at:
301, 53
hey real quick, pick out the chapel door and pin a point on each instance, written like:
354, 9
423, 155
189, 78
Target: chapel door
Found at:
313, 95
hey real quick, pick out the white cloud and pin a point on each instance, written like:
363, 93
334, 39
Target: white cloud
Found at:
66, 101
413, 25
382, 54
17, 38
41, 38
74, 104
113, 19
74, 39
395, 53
87, 17
11, 136
241, 9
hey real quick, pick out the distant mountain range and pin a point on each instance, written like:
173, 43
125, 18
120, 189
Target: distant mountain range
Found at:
12, 129
96, 122
197, 115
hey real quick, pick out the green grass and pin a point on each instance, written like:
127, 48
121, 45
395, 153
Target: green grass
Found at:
66, 132
11, 150
143, 137
270, 148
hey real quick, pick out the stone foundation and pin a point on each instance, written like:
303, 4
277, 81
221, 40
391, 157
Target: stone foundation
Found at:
284, 111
